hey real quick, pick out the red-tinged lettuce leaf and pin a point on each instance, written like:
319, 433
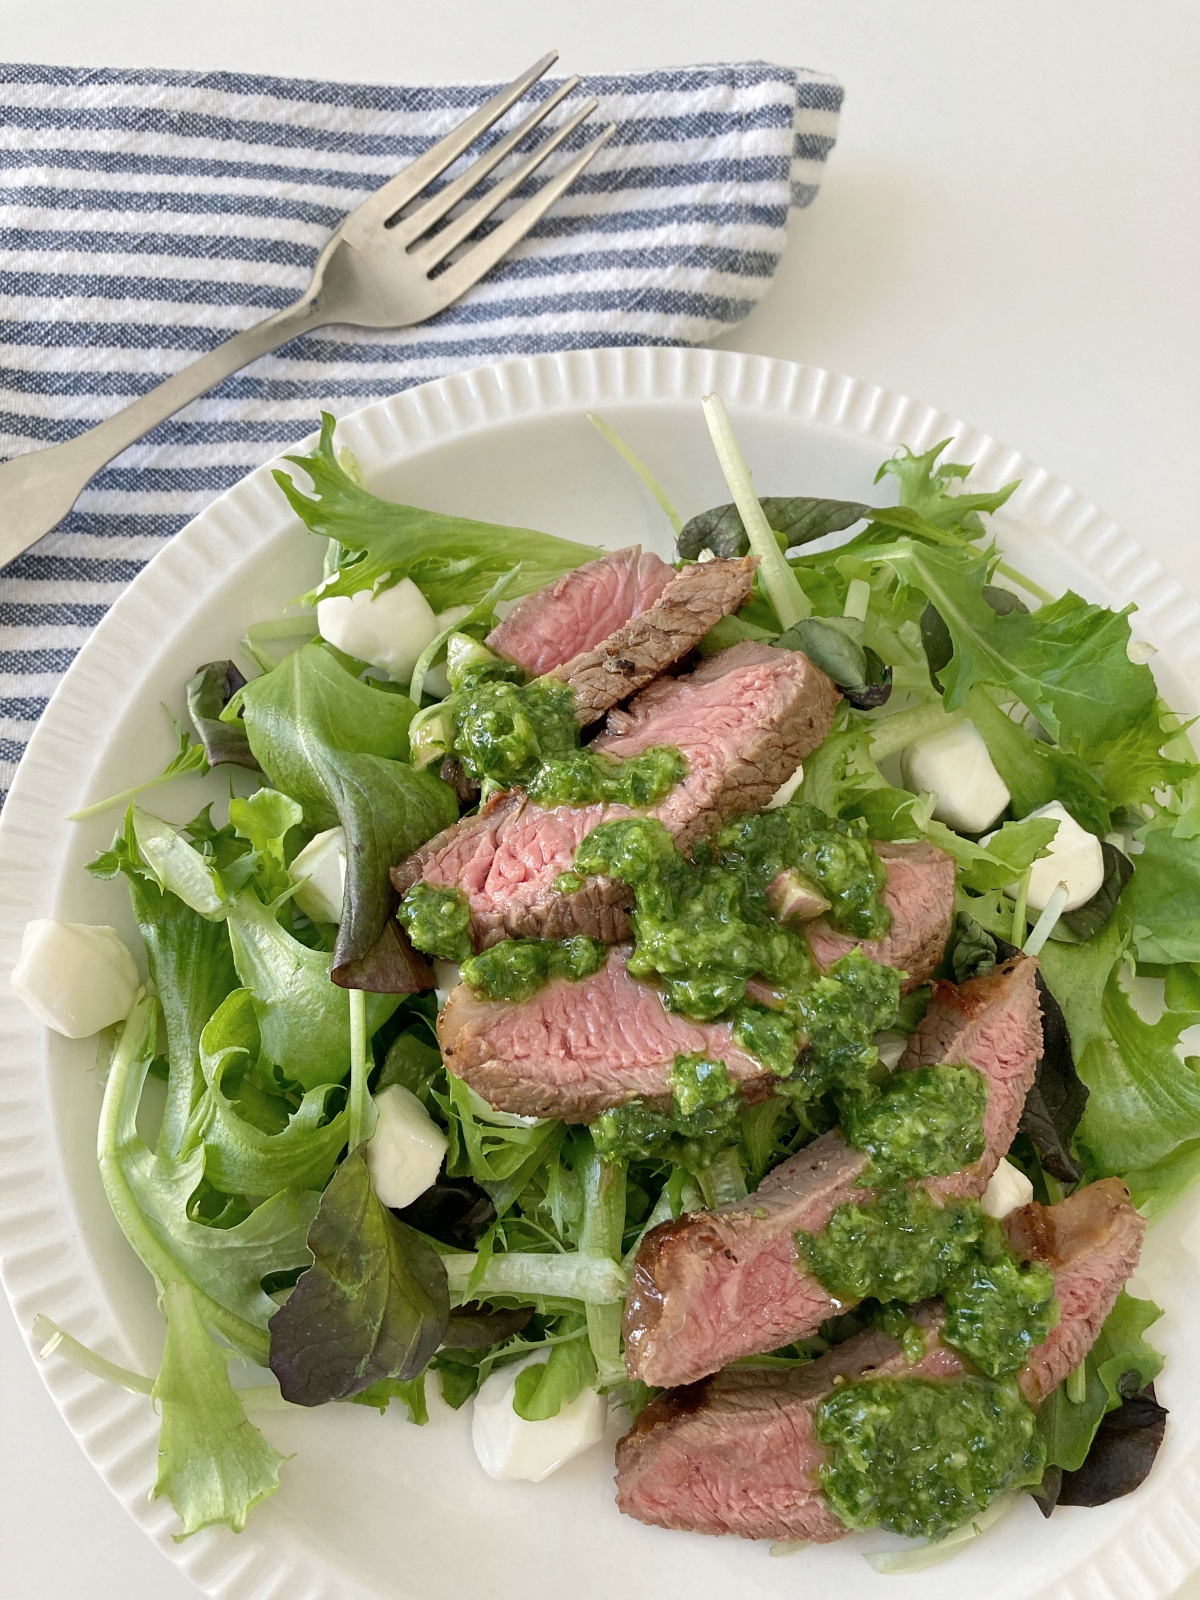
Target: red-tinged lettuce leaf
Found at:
209, 690
1122, 1453
374, 1304
1120, 1363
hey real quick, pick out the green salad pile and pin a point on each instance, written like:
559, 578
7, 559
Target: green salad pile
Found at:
252, 1203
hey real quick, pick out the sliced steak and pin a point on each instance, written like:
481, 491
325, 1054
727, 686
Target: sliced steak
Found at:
654, 639
713, 1286
578, 1047
552, 625
736, 1453
744, 721
920, 895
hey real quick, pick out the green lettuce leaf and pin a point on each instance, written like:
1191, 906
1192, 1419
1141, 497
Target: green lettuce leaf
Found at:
924, 486
239, 1157
453, 560
1037, 773
543, 1389
339, 748
1162, 901
1144, 1101
213, 1463
1069, 1426
374, 1305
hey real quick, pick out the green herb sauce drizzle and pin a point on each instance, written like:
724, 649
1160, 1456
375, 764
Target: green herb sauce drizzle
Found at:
702, 1119
437, 919
517, 968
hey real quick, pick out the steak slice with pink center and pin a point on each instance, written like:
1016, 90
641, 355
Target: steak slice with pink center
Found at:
744, 721
581, 609
577, 1047
716, 1285
920, 895
693, 602
737, 1453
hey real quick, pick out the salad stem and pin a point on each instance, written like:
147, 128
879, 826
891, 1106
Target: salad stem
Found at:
782, 587
1035, 589
640, 467
1077, 1384
889, 737
1042, 927
362, 1112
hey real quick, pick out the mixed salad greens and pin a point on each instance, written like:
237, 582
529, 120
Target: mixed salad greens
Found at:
254, 1208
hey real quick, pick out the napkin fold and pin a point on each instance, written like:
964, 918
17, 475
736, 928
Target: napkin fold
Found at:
147, 215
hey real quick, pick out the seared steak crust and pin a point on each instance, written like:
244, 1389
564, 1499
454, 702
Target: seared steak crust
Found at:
736, 1453
714, 1286
575, 1048
920, 895
627, 660
583, 608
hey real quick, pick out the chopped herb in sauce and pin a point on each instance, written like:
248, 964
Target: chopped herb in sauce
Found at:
926, 1122
517, 968
996, 1311
437, 919
701, 1122
922, 1456
587, 778
900, 1246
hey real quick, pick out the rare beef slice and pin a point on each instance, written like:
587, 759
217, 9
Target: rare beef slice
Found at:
737, 1453
744, 721
919, 893
713, 1286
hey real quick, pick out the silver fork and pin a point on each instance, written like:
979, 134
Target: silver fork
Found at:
375, 272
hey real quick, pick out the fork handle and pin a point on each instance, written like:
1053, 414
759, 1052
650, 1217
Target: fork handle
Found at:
38, 489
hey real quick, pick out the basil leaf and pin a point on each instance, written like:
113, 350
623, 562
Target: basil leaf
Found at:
209, 691
797, 519
373, 1305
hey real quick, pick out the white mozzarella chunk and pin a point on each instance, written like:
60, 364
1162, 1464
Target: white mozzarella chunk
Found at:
446, 975
955, 766
891, 1047
1075, 859
322, 864
437, 683
388, 630
405, 1153
1008, 1189
511, 1448
74, 977
785, 790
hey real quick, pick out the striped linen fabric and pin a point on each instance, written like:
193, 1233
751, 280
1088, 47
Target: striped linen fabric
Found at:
147, 215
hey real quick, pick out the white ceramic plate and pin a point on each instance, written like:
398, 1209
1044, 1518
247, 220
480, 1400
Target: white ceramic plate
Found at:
372, 1508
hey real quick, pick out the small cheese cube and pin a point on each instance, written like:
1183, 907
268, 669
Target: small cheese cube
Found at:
322, 865
1075, 859
387, 630
75, 978
786, 790
511, 1448
1008, 1189
955, 765
406, 1151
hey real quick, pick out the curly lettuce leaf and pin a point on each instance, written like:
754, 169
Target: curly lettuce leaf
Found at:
543, 1388
1037, 773
340, 748
1163, 900
213, 1463
452, 560
924, 486
374, 1305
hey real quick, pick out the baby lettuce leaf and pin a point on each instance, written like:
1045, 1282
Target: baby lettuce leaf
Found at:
213, 1463
453, 560
1037, 773
374, 1305
1144, 1101
1163, 901
924, 486
191, 966
239, 1157
1094, 913
304, 1019
264, 821
545, 1387
209, 691
1120, 1362
339, 748
149, 1193
795, 519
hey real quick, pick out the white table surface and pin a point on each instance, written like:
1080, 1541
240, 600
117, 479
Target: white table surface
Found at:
1008, 228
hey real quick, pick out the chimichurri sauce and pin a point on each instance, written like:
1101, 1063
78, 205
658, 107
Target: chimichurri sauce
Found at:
927, 1122
506, 733
922, 1456
437, 919
517, 968
702, 1120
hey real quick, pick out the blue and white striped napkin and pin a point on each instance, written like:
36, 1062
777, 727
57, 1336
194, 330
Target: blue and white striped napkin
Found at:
146, 215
